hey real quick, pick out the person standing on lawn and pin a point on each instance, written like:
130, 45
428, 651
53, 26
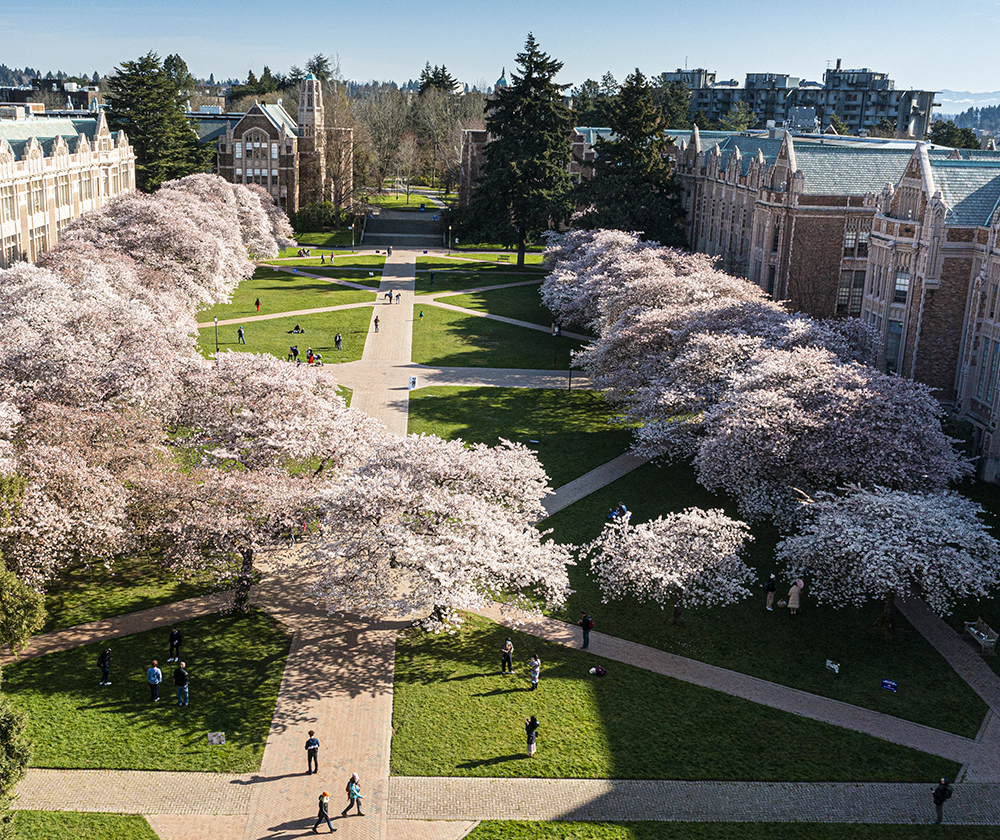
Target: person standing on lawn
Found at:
240, 337
154, 676
531, 728
354, 796
769, 588
338, 341
507, 657
175, 644
181, 681
942, 793
312, 753
104, 663
536, 668
324, 813
586, 624
257, 304
793, 596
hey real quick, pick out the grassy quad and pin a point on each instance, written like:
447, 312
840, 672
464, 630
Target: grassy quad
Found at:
275, 335
523, 303
776, 646
280, 291
455, 715
458, 280
46, 825
574, 429
499, 830
452, 339
370, 277
235, 663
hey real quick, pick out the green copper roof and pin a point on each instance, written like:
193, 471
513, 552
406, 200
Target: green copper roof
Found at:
45, 130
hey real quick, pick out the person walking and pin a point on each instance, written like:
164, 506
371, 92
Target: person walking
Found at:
793, 596
175, 645
535, 664
104, 663
421, 314
586, 624
338, 341
240, 338
376, 323
324, 813
942, 793
312, 753
531, 729
507, 657
399, 297
154, 676
769, 588
181, 681
354, 796
257, 304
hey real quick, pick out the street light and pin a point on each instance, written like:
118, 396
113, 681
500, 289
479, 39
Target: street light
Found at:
352, 239
449, 240
216, 338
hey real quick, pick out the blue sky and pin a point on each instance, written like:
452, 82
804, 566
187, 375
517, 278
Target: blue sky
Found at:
920, 44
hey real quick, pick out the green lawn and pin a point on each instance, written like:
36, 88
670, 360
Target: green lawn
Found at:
776, 646
80, 594
451, 339
534, 253
46, 825
631, 724
573, 428
280, 291
457, 280
326, 239
523, 303
235, 664
400, 201
275, 336
497, 830
366, 277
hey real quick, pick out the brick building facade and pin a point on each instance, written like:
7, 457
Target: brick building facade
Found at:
53, 170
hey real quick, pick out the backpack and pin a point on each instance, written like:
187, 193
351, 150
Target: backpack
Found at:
588, 623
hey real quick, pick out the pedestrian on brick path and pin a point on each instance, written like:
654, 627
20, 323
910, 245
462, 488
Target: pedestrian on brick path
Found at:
154, 676
376, 323
312, 753
531, 728
793, 596
181, 681
399, 297
769, 588
942, 793
507, 657
354, 796
240, 338
338, 341
324, 813
175, 645
257, 304
104, 663
535, 664
586, 624
388, 296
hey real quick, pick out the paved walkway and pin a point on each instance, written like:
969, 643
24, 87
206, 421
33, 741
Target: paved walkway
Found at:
588, 483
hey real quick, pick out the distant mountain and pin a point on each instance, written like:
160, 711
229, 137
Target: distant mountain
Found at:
957, 101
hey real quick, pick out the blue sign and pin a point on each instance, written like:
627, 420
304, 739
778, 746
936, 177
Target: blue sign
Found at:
891, 685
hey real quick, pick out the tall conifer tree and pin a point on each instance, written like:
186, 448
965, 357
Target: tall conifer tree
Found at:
525, 187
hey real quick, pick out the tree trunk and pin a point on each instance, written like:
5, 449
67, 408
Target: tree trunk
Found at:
677, 614
885, 618
522, 243
241, 602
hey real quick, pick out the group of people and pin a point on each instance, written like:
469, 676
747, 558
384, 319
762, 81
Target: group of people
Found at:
794, 594
507, 663
353, 789
154, 675
311, 357
388, 297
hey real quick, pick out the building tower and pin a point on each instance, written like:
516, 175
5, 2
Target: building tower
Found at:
312, 142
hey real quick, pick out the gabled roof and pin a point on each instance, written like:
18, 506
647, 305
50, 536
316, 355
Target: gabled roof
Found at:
970, 188
846, 170
279, 116
45, 130
748, 146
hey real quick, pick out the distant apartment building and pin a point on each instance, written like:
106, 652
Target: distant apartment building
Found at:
53, 170
862, 99
297, 163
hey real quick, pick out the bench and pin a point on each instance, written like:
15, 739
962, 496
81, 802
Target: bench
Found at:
503, 258
982, 633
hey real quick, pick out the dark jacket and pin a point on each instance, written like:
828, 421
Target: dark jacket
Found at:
104, 660
942, 793
175, 637
180, 677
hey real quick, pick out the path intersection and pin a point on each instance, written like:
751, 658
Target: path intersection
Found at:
338, 679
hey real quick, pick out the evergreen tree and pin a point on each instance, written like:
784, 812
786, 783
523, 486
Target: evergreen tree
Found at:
739, 118
436, 78
633, 188
839, 125
145, 103
525, 187
319, 65
176, 67
946, 133
701, 120
673, 99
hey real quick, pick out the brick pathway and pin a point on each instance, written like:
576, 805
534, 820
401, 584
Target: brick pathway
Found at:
432, 798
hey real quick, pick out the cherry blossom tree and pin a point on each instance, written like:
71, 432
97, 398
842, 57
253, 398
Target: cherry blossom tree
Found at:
800, 420
432, 525
880, 544
688, 558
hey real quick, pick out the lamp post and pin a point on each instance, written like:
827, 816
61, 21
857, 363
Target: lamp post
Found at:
449, 240
352, 239
216, 338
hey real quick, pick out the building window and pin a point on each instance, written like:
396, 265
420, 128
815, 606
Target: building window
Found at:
993, 301
863, 243
771, 271
844, 292
239, 150
9, 252
850, 242
7, 206
774, 239
981, 381
902, 285
37, 197
274, 173
39, 241
63, 190
857, 294
992, 377
892, 344
274, 151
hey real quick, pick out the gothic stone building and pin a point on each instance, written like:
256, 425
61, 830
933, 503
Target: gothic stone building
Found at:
298, 164
53, 170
